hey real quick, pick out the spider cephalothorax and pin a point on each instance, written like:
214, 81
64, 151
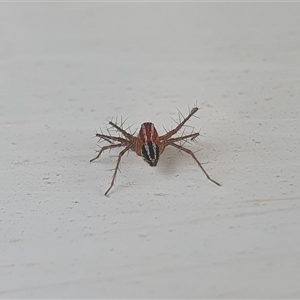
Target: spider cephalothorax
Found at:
148, 144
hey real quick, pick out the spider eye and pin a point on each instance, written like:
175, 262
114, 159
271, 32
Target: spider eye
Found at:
150, 153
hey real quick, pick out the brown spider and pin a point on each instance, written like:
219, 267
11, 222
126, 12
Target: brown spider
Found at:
148, 144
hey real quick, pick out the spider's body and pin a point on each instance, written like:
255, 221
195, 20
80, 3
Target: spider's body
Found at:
148, 144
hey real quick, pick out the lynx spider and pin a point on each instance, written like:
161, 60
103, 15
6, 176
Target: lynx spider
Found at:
148, 144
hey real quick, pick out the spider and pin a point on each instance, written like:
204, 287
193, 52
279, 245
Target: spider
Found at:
148, 144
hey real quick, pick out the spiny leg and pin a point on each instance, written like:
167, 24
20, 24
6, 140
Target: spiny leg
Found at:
184, 137
124, 132
110, 138
117, 167
106, 148
180, 125
195, 158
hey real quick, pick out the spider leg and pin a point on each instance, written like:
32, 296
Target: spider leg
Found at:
117, 166
188, 151
106, 148
110, 138
124, 132
179, 126
184, 137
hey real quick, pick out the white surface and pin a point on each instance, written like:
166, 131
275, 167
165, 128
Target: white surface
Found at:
167, 231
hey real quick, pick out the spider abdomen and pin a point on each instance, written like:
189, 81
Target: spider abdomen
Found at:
149, 143
150, 153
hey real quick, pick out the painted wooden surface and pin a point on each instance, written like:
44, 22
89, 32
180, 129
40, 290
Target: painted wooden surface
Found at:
68, 68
